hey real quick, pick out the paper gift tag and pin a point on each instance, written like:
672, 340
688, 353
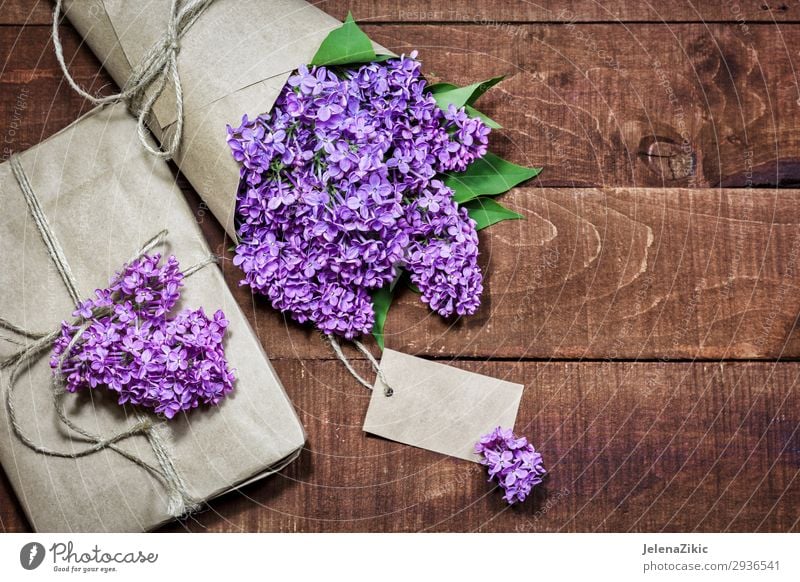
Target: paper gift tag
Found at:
438, 407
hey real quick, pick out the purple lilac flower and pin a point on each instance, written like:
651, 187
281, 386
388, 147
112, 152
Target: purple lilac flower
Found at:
339, 191
131, 347
512, 462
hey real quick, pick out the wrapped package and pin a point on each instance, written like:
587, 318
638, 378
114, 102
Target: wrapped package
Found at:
101, 196
233, 58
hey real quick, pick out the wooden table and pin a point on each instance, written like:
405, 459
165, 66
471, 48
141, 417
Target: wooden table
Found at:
648, 301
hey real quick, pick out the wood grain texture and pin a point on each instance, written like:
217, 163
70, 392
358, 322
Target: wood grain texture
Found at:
630, 447
689, 105
580, 277
596, 274
650, 447
617, 273
652, 105
35, 101
483, 12
627, 252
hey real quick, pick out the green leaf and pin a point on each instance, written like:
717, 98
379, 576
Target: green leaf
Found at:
487, 212
345, 45
381, 301
488, 176
441, 87
445, 93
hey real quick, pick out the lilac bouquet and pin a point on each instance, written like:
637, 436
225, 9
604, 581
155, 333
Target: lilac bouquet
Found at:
124, 341
362, 171
512, 462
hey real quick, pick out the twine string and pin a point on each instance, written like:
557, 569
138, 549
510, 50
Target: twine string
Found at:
149, 78
180, 501
337, 349
45, 230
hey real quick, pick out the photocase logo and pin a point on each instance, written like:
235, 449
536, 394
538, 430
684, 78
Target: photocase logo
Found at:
31, 555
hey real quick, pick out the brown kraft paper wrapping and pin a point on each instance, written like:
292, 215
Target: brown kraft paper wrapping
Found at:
104, 197
233, 60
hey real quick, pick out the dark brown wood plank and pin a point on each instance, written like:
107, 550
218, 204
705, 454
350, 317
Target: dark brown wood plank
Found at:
615, 273
12, 519
628, 274
705, 288
745, 12
25, 12
641, 447
630, 447
494, 13
650, 105
597, 105
35, 101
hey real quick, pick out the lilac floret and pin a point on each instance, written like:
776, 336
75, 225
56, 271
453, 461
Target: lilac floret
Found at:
512, 462
130, 346
339, 191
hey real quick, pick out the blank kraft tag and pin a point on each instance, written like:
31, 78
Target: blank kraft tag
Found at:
438, 407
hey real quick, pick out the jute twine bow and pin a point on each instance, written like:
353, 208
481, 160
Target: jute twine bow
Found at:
180, 502
149, 77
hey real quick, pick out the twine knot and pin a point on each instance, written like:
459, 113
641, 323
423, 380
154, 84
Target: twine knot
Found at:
180, 501
149, 78
143, 425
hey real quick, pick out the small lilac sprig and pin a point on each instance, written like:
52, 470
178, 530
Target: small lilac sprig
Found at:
129, 345
512, 462
339, 191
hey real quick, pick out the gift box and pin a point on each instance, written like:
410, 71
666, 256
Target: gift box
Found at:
91, 197
232, 57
